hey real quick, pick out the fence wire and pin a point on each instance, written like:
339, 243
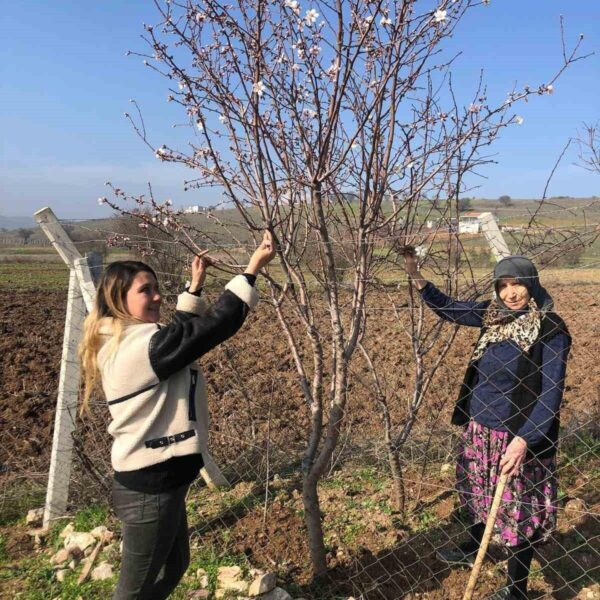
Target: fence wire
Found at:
375, 549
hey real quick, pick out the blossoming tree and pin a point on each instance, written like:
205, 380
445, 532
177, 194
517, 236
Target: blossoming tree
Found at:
328, 124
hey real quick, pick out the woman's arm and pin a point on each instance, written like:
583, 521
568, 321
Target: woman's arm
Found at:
195, 331
460, 312
553, 371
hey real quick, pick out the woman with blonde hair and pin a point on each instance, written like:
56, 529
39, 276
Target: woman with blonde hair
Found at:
157, 400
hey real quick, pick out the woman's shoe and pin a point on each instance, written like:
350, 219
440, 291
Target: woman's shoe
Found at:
457, 556
503, 594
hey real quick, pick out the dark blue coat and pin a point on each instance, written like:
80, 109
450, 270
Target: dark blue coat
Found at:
495, 382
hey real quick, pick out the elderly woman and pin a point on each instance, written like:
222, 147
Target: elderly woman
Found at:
509, 406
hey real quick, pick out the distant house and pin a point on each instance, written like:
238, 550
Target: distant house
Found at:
469, 222
192, 209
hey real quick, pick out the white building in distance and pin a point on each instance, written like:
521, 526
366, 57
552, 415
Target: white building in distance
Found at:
469, 222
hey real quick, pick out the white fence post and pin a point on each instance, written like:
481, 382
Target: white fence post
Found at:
494, 236
66, 407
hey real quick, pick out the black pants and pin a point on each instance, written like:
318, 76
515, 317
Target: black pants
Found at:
156, 551
519, 561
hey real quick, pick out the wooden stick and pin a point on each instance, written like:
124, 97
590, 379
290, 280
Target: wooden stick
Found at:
485, 540
90, 561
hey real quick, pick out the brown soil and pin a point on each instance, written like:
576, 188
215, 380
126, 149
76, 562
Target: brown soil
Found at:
256, 405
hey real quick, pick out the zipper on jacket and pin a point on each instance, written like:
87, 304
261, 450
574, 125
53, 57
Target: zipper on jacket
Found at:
192, 396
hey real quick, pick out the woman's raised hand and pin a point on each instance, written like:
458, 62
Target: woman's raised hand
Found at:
200, 264
263, 255
411, 264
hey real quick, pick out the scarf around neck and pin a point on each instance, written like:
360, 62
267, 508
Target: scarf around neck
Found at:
523, 327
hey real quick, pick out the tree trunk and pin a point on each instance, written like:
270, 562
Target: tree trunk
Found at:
312, 518
399, 496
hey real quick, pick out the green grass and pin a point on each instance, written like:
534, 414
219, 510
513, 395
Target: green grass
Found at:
27, 276
90, 517
3, 550
23, 496
40, 584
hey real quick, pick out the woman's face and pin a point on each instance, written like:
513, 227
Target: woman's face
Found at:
514, 294
143, 298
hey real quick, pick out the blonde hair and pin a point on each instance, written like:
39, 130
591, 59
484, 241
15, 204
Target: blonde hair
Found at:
109, 309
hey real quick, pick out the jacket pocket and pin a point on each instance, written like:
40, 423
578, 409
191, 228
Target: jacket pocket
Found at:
192, 395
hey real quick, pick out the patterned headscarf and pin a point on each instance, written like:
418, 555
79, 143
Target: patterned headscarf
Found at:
521, 326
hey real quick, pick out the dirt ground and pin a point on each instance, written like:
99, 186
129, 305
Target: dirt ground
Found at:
259, 420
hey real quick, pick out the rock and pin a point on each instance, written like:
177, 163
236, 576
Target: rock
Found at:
263, 583
239, 587
82, 540
575, 507
276, 594
199, 594
61, 574
109, 548
589, 593
231, 579
61, 557
277, 482
68, 530
202, 576
35, 516
100, 531
39, 535
102, 571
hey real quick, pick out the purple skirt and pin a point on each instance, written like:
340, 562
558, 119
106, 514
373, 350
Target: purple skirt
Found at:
529, 502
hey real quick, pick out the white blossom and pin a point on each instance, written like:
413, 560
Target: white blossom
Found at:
439, 15
199, 125
181, 85
355, 146
519, 120
200, 17
293, 4
474, 108
333, 69
385, 21
421, 252
410, 165
222, 118
311, 16
258, 88
160, 152
369, 19
101, 201
550, 88
143, 225
168, 202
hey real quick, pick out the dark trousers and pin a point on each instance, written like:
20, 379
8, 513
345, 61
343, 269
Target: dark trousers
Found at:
156, 551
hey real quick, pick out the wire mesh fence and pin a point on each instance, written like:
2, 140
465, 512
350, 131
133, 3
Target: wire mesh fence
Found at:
376, 546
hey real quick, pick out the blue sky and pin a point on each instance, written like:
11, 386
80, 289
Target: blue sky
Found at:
66, 82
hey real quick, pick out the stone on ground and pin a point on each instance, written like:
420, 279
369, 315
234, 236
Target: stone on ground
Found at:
263, 583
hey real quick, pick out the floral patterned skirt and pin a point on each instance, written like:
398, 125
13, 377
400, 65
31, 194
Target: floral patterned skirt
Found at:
529, 502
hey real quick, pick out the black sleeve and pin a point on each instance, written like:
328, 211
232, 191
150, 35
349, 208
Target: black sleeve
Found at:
189, 336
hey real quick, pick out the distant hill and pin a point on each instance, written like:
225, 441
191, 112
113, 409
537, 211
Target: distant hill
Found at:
16, 222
